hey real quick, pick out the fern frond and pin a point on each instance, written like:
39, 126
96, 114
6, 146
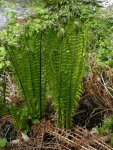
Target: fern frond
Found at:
66, 67
38, 71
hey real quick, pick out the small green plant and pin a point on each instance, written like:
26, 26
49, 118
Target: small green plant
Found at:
107, 128
20, 117
3, 142
3, 60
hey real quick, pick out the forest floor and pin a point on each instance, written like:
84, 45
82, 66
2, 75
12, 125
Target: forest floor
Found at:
94, 107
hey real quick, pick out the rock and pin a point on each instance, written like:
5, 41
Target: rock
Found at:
25, 137
94, 131
15, 141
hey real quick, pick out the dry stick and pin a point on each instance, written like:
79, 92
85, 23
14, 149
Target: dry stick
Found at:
81, 136
101, 143
62, 138
95, 114
50, 146
59, 144
97, 140
104, 85
64, 147
100, 95
96, 101
77, 142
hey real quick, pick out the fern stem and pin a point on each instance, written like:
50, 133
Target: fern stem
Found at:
40, 75
59, 88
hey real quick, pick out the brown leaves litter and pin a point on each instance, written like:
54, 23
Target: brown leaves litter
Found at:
46, 136
97, 100
98, 86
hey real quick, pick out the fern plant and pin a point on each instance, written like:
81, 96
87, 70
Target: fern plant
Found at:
27, 57
52, 53
55, 56
66, 67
